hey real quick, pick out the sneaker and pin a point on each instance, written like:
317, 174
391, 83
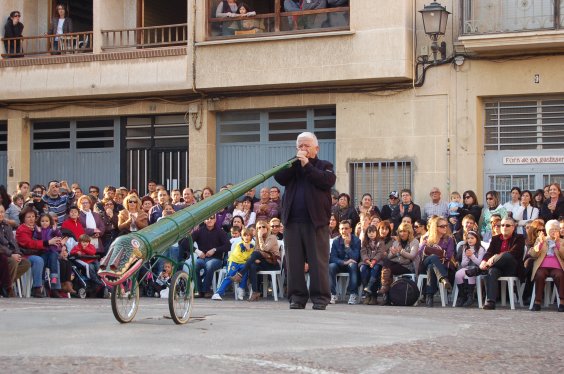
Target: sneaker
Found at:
240, 292
333, 299
216, 296
353, 299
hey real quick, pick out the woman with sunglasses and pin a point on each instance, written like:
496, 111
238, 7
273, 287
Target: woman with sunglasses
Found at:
493, 206
13, 29
437, 250
92, 222
504, 258
470, 206
132, 217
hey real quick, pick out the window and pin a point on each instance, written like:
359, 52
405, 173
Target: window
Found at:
270, 19
3, 136
93, 134
378, 178
504, 183
276, 126
527, 124
502, 16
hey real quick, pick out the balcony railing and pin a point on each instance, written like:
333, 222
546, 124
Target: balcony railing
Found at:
507, 16
146, 37
303, 21
47, 44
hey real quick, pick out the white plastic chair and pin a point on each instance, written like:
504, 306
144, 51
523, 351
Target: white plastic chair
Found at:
441, 289
511, 281
342, 285
548, 297
276, 278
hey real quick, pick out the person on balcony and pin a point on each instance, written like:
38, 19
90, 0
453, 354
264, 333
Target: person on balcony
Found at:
229, 9
60, 24
314, 21
13, 29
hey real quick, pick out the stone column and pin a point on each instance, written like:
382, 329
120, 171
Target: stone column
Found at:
201, 146
19, 148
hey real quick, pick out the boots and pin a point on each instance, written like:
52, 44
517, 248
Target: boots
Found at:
462, 294
469, 296
236, 278
67, 287
37, 292
254, 296
368, 288
386, 279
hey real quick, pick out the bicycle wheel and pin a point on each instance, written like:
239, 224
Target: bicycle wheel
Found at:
181, 297
125, 301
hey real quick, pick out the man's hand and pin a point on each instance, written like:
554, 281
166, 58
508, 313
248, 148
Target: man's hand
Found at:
302, 156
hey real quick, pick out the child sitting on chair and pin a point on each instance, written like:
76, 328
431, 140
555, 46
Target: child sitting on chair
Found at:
236, 261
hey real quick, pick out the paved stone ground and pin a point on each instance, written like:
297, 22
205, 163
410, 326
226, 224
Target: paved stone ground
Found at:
82, 336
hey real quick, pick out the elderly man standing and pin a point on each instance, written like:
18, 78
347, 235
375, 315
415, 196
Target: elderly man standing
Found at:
435, 207
306, 207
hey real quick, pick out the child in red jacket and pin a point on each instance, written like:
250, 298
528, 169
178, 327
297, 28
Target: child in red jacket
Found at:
85, 248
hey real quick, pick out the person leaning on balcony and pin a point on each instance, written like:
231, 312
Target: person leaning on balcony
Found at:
314, 21
228, 9
252, 25
60, 24
13, 29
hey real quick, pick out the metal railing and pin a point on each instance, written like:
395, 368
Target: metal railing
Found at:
303, 21
47, 44
504, 16
146, 37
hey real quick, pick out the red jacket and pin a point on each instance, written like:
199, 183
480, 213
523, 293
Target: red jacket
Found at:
24, 237
74, 226
90, 250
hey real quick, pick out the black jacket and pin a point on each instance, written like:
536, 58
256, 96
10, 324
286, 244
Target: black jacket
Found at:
547, 214
516, 249
320, 178
13, 31
8, 244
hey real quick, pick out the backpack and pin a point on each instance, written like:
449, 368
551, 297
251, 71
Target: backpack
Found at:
403, 292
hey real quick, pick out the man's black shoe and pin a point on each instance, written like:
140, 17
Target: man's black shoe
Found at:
319, 307
536, 308
489, 306
295, 305
561, 308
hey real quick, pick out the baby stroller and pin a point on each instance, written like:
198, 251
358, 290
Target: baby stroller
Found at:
86, 281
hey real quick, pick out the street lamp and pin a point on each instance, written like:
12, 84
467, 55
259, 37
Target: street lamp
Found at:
435, 17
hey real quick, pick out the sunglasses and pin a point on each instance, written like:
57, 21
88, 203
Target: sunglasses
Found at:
442, 226
262, 227
393, 198
274, 226
17, 15
416, 226
506, 225
467, 197
132, 201
93, 191
489, 198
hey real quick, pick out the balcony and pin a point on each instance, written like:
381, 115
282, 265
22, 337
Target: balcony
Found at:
512, 25
145, 37
77, 42
272, 18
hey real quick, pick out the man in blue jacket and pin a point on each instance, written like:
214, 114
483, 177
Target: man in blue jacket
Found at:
344, 258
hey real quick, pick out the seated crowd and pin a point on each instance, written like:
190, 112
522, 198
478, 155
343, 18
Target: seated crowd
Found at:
53, 229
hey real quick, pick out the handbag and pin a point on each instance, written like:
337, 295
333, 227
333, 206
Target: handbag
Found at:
429, 250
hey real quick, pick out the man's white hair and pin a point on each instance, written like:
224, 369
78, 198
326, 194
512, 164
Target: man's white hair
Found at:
307, 135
